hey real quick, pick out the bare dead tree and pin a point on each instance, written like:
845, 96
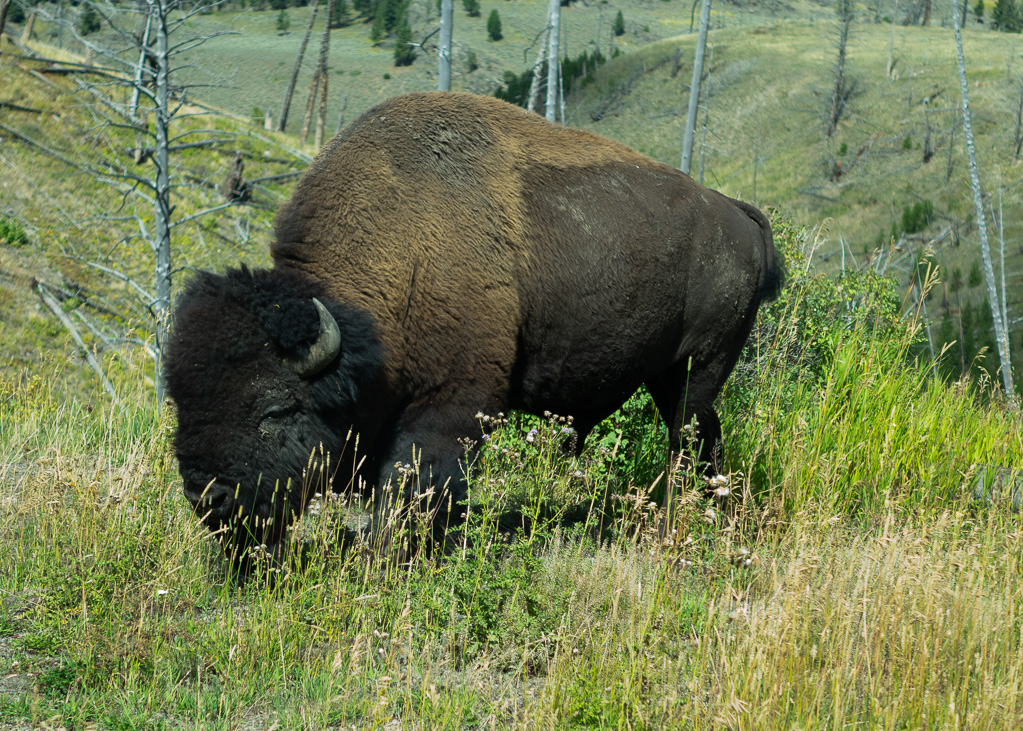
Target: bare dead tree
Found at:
1001, 327
1017, 136
290, 90
140, 97
552, 61
5, 5
694, 89
541, 51
889, 69
842, 91
321, 121
314, 89
447, 21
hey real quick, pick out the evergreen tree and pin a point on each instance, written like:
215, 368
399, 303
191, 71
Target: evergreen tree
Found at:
404, 51
283, 21
278, 4
472, 8
619, 26
88, 22
494, 26
365, 8
978, 10
341, 15
1007, 17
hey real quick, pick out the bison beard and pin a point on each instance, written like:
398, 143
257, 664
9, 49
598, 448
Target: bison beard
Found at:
447, 255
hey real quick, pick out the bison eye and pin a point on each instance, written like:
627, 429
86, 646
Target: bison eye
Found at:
275, 414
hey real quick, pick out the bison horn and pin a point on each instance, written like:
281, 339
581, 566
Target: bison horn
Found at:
324, 349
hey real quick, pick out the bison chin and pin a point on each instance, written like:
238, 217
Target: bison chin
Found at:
248, 521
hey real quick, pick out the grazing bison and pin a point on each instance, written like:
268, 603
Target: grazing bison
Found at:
447, 255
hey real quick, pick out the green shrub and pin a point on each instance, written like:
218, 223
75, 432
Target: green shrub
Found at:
88, 21
11, 232
494, 25
918, 217
472, 8
404, 51
283, 22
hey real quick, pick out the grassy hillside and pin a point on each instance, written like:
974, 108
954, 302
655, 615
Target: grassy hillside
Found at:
863, 571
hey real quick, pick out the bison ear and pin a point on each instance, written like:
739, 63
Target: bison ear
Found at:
324, 349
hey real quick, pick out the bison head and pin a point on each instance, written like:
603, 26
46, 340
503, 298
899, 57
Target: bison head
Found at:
267, 375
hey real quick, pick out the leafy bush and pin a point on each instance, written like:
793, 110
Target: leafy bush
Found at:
918, 217
11, 232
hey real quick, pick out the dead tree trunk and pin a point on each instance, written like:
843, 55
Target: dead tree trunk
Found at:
286, 106
1001, 332
552, 62
314, 88
321, 121
889, 69
534, 85
447, 20
1017, 141
5, 5
694, 89
841, 93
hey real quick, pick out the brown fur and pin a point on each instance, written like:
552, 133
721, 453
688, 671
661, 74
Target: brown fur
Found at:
506, 262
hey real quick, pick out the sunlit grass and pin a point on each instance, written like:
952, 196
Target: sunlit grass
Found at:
851, 579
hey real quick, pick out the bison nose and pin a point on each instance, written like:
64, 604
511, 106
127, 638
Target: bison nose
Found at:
211, 496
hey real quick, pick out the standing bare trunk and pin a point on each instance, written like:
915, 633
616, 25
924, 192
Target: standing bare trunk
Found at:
552, 61
889, 69
1017, 142
534, 85
314, 89
4, 7
140, 70
447, 20
321, 121
694, 89
841, 93
161, 241
1001, 332
286, 106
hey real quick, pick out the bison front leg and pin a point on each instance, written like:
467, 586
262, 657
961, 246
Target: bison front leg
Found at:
422, 489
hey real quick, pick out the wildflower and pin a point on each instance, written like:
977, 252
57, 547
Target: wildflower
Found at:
531, 436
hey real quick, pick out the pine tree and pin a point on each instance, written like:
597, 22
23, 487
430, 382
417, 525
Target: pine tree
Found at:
472, 8
1007, 17
619, 26
404, 51
341, 15
88, 22
494, 26
978, 10
283, 22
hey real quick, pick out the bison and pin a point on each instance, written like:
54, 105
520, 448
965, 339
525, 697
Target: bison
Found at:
446, 255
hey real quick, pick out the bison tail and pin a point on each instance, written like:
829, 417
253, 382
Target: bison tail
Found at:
772, 277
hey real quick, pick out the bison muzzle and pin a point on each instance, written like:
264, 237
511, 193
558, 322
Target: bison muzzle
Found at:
450, 254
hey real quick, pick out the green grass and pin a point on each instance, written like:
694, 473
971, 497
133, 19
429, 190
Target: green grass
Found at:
849, 578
